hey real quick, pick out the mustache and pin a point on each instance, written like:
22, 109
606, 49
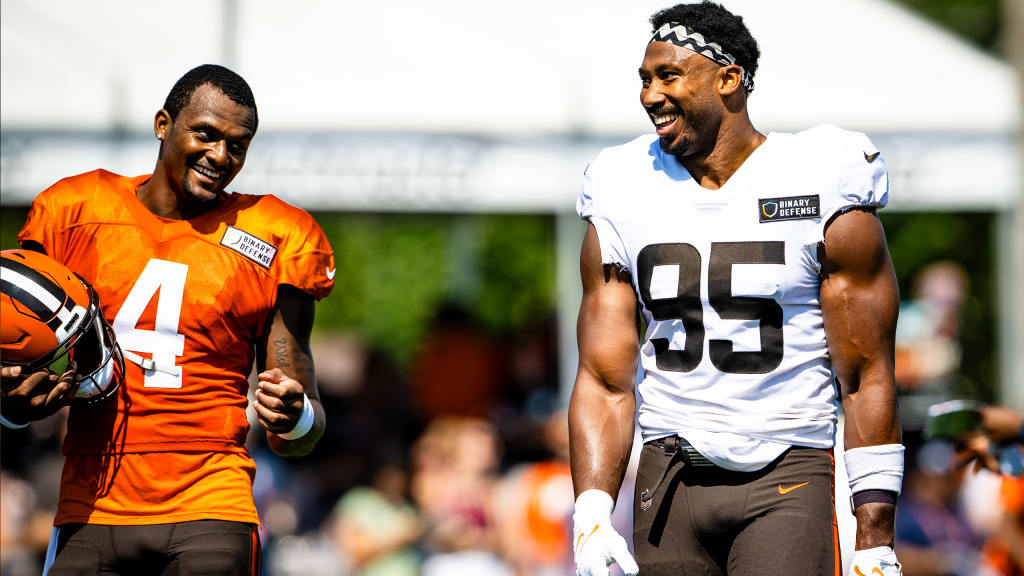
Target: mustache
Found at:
664, 111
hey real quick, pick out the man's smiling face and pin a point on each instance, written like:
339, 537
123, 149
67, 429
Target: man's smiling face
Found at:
205, 146
677, 91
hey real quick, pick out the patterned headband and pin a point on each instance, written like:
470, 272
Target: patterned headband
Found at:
675, 33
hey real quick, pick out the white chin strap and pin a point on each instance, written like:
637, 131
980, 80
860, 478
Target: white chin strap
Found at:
149, 365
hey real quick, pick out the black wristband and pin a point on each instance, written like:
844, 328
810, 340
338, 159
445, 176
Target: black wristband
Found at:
868, 496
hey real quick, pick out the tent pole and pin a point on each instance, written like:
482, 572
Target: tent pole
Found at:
1012, 265
569, 231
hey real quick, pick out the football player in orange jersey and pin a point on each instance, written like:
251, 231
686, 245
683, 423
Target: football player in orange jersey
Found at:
198, 283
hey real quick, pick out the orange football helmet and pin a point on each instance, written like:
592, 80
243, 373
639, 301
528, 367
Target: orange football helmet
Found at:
50, 317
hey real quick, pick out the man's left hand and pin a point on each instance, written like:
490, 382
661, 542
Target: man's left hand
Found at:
879, 561
279, 400
33, 396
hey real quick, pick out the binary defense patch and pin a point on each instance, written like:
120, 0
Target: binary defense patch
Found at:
249, 246
788, 208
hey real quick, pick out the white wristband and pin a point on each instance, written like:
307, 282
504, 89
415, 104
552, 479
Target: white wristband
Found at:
875, 467
305, 423
8, 424
594, 503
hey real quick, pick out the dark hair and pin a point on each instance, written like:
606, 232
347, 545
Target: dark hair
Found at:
232, 85
716, 24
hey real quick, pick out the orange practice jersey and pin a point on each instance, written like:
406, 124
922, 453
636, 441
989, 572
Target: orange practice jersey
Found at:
189, 299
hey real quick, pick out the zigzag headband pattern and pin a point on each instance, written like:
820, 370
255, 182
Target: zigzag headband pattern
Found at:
675, 33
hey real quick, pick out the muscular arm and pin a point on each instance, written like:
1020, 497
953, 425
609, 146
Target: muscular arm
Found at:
602, 405
286, 371
859, 304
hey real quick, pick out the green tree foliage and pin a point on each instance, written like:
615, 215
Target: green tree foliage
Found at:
918, 239
978, 21
11, 220
389, 278
517, 271
393, 271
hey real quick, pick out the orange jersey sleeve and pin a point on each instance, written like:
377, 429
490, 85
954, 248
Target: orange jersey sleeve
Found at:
307, 261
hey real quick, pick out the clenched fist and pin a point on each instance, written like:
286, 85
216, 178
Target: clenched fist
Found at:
279, 401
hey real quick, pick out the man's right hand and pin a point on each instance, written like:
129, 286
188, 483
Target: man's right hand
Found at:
873, 561
35, 396
596, 545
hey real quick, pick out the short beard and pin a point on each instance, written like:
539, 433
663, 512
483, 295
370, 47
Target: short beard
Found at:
199, 200
699, 137
680, 148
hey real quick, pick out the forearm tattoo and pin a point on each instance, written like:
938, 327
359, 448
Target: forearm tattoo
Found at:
281, 352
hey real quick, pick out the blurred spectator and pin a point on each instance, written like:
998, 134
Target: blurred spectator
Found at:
1004, 548
455, 373
29, 484
535, 505
980, 446
928, 350
530, 391
310, 555
371, 419
932, 535
455, 465
17, 502
376, 527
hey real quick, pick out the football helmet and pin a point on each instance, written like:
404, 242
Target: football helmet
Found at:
51, 317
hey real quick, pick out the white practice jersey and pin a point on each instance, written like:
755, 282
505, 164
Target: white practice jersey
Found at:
734, 358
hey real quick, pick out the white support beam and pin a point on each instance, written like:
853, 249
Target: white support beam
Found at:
569, 231
1011, 263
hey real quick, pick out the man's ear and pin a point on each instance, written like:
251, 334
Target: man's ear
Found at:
162, 124
730, 79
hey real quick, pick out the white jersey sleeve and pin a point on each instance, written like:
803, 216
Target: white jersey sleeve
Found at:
858, 168
589, 205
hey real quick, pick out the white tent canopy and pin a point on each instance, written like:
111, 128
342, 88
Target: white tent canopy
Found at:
528, 92
533, 67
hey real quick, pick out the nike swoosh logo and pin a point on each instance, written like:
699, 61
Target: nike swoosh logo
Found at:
871, 157
330, 273
579, 545
874, 571
791, 488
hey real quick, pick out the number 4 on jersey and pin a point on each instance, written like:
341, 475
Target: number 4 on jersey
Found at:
164, 343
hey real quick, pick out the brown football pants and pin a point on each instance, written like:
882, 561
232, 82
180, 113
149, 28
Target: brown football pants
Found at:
702, 520
201, 547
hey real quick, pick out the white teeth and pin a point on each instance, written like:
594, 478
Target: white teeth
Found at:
662, 120
208, 173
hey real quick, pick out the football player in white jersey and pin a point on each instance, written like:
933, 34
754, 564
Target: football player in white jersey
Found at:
760, 271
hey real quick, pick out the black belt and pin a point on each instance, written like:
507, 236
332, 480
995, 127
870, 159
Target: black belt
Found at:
673, 445
678, 448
